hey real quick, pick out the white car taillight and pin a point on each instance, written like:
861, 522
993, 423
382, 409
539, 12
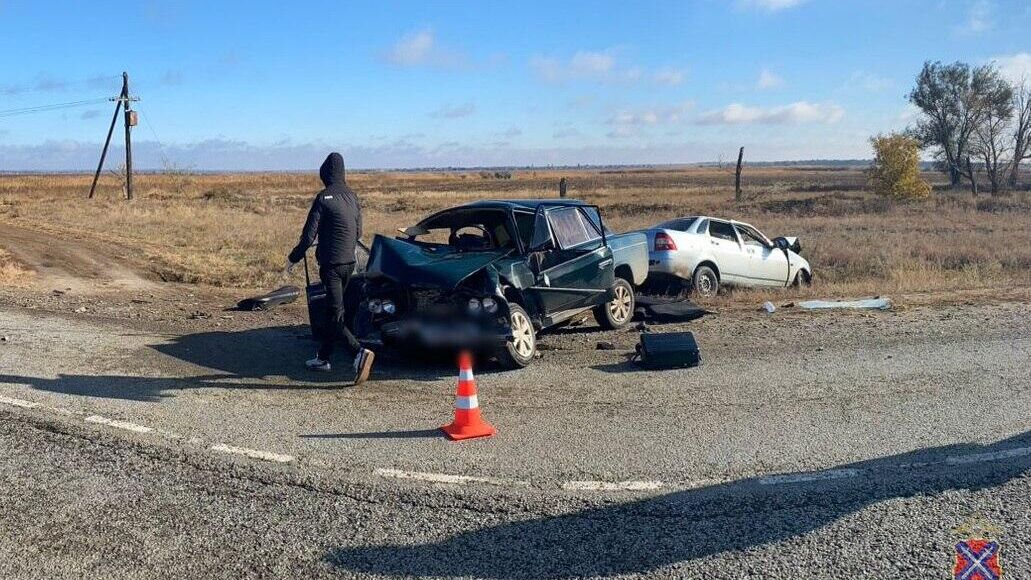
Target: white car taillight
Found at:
664, 243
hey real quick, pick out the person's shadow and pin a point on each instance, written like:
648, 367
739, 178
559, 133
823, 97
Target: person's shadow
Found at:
641, 536
281, 351
256, 358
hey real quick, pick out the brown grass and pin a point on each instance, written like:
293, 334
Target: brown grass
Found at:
236, 229
13, 272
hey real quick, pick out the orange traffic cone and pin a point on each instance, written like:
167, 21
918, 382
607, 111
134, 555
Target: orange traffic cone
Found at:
467, 424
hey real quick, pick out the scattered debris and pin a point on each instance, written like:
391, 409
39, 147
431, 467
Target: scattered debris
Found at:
199, 315
665, 309
548, 346
668, 350
58, 292
876, 303
580, 320
769, 307
605, 345
643, 327
81, 309
5, 338
277, 297
140, 301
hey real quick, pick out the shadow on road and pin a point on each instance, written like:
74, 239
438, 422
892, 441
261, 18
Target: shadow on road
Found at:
416, 434
282, 350
259, 356
642, 536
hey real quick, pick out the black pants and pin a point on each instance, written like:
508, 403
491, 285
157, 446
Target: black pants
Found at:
335, 279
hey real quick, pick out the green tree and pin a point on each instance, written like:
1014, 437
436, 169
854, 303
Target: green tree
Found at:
954, 100
896, 169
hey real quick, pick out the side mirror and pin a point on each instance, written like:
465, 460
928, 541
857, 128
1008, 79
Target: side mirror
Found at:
781, 243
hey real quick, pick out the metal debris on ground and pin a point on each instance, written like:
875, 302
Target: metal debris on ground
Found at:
668, 309
605, 345
876, 303
769, 307
277, 297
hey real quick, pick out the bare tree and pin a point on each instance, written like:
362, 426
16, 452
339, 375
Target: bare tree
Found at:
953, 99
1021, 129
992, 141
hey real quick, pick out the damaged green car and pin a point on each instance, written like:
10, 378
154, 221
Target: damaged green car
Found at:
490, 275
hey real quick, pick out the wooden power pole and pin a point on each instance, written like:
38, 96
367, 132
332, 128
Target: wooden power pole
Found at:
122, 101
737, 175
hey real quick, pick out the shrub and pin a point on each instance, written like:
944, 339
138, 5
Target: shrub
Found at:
896, 169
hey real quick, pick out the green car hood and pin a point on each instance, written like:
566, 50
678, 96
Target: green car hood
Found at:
414, 265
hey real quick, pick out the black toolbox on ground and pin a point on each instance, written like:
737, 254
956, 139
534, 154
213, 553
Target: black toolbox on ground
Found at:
668, 350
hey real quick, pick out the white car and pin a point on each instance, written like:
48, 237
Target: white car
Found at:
705, 253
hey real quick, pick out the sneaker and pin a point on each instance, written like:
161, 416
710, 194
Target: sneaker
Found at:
317, 364
363, 365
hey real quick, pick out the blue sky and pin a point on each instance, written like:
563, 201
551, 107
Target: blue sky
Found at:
275, 85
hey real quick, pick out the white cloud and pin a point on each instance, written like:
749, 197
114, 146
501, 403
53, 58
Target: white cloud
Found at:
650, 116
510, 132
221, 154
420, 48
869, 81
583, 65
592, 63
602, 66
1015, 67
980, 18
669, 77
413, 48
768, 80
798, 112
769, 5
454, 111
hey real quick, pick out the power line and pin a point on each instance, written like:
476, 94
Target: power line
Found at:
161, 147
54, 85
51, 107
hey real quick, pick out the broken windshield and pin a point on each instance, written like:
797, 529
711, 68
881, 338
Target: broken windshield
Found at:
465, 230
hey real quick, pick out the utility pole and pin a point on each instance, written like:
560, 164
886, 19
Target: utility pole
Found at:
123, 100
130, 122
737, 175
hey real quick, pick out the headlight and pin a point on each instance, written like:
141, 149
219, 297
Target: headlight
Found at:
490, 305
375, 306
388, 307
474, 306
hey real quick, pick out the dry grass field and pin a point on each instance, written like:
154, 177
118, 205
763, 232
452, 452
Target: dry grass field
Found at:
234, 230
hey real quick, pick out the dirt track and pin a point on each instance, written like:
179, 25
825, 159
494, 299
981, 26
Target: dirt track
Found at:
80, 265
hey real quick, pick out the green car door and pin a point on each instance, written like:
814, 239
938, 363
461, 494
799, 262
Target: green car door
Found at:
576, 266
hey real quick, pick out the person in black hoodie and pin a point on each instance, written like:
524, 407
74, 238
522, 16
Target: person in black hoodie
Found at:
335, 219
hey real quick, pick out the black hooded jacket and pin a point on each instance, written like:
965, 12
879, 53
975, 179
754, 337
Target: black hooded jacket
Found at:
335, 218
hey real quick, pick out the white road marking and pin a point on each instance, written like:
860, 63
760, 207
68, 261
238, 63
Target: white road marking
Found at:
992, 456
253, 453
807, 477
612, 485
446, 478
18, 403
118, 424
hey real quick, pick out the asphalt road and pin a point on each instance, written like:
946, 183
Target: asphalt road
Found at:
77, 503
834, 445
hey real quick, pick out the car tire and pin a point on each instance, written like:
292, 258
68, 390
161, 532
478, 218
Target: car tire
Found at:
803, 279
616, 313
521, 349
705, 282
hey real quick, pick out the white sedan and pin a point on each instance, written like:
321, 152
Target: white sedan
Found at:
707, 252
